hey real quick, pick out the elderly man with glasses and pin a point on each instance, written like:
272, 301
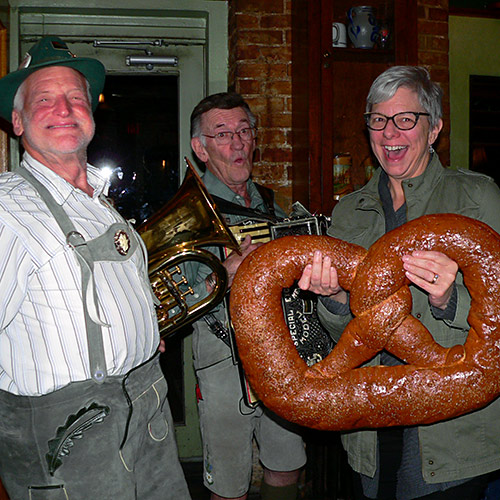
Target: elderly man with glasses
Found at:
223, 137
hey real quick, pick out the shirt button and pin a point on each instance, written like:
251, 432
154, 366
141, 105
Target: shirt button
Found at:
419, 315
433, 473
410, 185
431, 462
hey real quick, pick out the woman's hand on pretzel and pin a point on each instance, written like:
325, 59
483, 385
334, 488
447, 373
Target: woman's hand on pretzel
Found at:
321, 278
434, 272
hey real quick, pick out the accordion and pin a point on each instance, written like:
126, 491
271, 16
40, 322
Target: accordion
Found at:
312, 341
262, 232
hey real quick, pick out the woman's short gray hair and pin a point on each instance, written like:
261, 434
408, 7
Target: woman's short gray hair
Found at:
415, 78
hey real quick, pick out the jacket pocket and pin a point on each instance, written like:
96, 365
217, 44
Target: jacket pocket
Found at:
54, 492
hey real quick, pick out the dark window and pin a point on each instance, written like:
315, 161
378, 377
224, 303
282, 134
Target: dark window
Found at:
137, 139
484, 125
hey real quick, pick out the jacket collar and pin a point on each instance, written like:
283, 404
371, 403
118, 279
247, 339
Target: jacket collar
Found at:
368, 195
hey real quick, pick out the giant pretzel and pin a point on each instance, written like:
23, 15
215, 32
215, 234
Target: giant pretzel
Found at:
337, 394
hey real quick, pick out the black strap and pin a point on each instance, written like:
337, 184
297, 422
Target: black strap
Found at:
268, 197
229, 208
218, 329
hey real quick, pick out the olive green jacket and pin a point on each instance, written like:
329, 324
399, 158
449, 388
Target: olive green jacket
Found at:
466, 446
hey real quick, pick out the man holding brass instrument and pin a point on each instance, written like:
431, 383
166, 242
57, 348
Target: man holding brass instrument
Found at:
83, 402
223, 138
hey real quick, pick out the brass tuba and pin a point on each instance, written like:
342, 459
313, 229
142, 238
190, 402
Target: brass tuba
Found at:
174, 235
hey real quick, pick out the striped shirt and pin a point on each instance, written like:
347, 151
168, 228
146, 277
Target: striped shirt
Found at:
43, 341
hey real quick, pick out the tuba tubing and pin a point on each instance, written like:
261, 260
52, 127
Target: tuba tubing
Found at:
176, 234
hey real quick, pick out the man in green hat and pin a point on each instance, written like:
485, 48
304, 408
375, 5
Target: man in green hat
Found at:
83, 402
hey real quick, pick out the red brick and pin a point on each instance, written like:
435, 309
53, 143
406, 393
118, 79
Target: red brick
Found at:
422, 42
432, 42
283, 87
259, 5
266, 105
439, 75
261, 71
446, 89
435, 14
261, 37
270, 174
433, 28
434, 59
276, 21
272, 137
277, 54
249, 86
277, 155
247, 21
276, 120
251, 52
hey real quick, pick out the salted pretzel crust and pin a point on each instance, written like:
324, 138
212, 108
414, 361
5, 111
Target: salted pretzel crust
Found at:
436, 383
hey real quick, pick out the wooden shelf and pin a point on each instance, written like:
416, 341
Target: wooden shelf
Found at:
362, 55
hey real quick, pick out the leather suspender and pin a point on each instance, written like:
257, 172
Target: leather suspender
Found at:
77, 242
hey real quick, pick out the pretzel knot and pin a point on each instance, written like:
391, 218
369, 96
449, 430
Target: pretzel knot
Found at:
433, 384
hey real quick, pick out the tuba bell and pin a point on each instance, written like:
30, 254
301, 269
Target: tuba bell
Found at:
174, 235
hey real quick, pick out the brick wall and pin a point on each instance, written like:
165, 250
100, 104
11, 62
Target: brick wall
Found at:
260, 69
433, 54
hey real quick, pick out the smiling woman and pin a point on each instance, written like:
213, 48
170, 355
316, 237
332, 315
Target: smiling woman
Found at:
404, 119
403, 153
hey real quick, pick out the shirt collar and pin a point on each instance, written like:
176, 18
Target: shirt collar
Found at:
216, 186
59, 187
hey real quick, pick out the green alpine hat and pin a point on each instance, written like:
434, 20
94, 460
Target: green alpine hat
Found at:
50, 51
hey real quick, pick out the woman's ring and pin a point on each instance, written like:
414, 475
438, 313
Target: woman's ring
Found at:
436, 276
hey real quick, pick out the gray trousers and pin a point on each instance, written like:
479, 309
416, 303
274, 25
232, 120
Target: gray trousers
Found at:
109, 441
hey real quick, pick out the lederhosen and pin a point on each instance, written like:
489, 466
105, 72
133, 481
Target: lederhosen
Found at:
87, 428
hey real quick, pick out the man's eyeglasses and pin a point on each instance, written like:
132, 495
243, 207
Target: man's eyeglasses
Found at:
403, 121
225, 137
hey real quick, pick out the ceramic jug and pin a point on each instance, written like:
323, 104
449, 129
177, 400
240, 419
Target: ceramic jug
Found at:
362, 26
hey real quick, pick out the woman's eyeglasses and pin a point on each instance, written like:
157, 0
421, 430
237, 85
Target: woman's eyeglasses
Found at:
403, 121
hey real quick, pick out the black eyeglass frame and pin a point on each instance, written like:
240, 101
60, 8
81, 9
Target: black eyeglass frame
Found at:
417, 114
253, 129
